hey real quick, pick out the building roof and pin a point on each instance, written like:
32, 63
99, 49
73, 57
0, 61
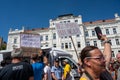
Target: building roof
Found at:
99, 22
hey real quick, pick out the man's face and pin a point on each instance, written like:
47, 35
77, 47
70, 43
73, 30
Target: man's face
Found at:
56, 63
96, 60
40, 52
118, 59
64, 63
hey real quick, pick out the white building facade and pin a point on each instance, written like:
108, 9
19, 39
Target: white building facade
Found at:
50, 38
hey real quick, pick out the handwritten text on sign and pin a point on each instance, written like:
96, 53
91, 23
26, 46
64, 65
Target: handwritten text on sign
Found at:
30, 40
67, 29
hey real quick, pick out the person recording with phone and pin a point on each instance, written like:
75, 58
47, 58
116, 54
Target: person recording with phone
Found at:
94, 61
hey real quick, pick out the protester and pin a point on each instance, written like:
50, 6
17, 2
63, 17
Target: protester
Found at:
3, 63
17, 70
42, 56
112, 70
37, 67
47, 71
118, 65
56, 70
67, 69
94, 61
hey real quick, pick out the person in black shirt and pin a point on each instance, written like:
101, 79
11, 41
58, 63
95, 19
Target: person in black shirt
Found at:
17, 70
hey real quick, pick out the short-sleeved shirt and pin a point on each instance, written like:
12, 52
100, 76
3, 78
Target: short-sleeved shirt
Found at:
38, 70
17, 71
57, 71
47, 70
67, 70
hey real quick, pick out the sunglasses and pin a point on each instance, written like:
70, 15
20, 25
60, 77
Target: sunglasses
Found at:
97, 57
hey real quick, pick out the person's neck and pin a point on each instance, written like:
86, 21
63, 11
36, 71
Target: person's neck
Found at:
34, 61
57, 66
15, 61
94, 75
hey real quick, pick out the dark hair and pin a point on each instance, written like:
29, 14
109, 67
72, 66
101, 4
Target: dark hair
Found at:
86, 52
34, 56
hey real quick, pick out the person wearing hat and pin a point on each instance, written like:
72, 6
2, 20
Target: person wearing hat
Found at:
17, 70
56, 70
67, 69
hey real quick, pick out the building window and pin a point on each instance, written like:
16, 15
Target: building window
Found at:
86, 33
53, 24
113, 55
95, 43
78, 44
77, 35
107, 31
46, 38
15, 40
114, 31
76, 20
70, 45
41, 45
62, 45
41, 38
46, 45
117, 42
87, 43
66, 45
54, 45
93, 33
68, 21
110, 42
65, 36
64, 21
54, 35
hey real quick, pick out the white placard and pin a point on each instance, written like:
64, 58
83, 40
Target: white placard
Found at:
30, 40
67, 29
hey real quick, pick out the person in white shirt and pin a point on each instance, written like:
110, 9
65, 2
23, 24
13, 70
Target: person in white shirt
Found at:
47, 72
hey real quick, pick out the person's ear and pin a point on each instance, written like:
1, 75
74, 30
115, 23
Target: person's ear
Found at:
87, 62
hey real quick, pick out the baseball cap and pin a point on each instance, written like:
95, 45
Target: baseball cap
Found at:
17, 53
56, 60
65, 60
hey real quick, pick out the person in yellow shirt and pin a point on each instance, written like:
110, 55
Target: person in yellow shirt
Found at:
67, 69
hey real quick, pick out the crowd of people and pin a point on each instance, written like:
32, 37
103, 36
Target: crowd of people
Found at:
38, 68
95, 65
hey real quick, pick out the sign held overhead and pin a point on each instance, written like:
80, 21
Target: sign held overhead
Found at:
30, 40
67, 29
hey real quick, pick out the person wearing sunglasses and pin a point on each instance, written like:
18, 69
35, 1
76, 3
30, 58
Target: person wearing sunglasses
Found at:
95, 61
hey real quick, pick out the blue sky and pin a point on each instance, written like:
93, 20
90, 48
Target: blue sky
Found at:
37, 13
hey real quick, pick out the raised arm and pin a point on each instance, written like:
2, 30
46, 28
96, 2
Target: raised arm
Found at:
107, 49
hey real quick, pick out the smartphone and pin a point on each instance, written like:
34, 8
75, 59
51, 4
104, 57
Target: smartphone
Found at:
98, 32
